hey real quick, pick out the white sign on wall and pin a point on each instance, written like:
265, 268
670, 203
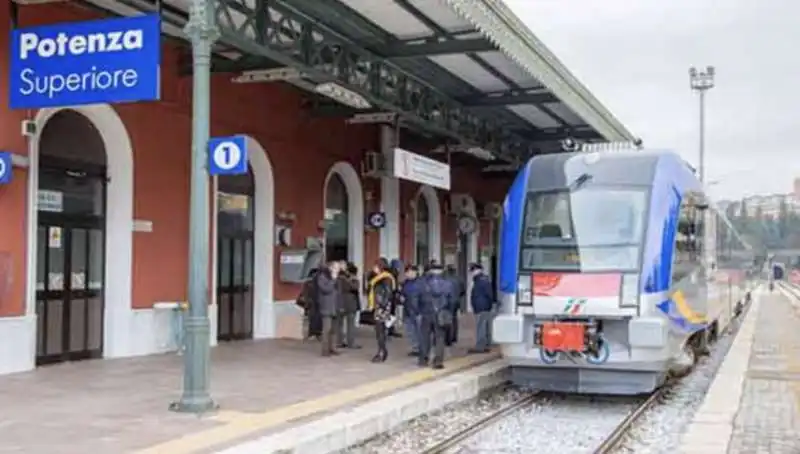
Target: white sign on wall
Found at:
52, 201
419, 169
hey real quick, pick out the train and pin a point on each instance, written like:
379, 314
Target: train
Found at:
615, 272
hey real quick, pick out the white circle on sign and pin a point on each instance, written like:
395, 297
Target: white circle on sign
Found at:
3, 168
227, 155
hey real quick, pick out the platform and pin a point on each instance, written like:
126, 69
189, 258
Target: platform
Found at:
121, 405
753, 405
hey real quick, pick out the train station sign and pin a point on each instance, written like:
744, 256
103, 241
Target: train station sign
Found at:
75, 63
420, 169
6, 167
227, 156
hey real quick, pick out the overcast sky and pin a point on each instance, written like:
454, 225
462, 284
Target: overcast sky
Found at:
634, 56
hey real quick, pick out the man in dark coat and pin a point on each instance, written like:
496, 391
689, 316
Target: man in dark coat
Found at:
482, 300
409, 296
436, 307
329, 302
459, 292
307, 300
349, 290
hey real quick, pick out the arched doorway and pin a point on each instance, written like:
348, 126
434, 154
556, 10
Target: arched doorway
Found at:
258, 186
235, 252
342, 174
427, 226
70, 240
337, 220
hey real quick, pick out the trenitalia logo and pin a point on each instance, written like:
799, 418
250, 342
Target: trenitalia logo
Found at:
574, 306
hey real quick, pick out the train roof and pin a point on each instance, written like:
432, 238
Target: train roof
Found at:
625, 167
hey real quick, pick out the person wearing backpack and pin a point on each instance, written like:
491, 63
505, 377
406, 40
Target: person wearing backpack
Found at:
436, 306
307, 300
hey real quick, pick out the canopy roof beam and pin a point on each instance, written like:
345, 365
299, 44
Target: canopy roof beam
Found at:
324, 56
509, 98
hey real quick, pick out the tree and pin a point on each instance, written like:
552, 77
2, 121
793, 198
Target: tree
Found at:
743, 214
783, 220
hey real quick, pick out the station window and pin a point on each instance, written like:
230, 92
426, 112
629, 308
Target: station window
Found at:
337, 228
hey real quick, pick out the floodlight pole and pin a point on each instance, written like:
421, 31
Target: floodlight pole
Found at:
196, 398
701, 82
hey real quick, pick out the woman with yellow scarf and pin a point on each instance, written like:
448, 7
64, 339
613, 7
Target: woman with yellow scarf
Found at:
380, 291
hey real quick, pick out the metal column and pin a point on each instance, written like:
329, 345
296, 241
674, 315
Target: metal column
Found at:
702, 157
196, 398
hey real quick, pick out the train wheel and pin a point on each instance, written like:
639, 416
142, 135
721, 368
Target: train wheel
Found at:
685, 362
547, 356
602, 354
701, 341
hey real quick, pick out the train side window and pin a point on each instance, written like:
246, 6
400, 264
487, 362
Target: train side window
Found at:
688, 241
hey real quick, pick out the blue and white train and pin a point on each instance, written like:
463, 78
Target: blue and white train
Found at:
614, 272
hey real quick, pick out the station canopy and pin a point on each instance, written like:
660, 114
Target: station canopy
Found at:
465, 71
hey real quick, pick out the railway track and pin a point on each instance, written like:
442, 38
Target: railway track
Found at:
610, 443
457, 438
614, 440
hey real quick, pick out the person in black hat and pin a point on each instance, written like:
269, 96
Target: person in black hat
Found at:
436, 302
482, 301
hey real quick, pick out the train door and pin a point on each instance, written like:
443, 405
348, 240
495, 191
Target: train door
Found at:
71, 204
235, 239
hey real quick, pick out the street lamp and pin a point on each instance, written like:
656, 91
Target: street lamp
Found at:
702, 81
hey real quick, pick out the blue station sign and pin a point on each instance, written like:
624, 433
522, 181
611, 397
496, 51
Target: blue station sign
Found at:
74, 63
6, 167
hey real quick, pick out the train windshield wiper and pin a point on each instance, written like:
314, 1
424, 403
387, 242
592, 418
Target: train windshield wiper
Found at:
580, 181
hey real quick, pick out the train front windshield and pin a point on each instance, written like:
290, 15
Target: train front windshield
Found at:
590, 229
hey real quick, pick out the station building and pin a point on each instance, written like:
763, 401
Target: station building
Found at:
95, 219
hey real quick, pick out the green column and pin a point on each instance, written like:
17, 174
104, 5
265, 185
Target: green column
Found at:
196, 398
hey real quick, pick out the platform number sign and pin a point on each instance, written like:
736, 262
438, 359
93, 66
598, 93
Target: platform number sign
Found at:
5, 167
227, 156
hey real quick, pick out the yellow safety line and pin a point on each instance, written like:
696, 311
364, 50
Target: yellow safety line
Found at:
239, 424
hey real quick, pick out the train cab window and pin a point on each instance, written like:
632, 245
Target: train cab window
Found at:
592, 229
688, 249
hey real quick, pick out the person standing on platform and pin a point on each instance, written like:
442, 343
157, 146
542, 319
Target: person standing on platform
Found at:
307, 300
409, 297
451, 274
348, 287
436, 315
396, 268
482, 300
380, 291
329, 301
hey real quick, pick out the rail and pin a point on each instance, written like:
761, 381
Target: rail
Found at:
468, 432
615, 438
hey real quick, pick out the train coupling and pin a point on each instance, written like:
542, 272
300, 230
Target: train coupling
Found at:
571, 339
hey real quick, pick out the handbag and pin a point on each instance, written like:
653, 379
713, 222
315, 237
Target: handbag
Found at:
444, 318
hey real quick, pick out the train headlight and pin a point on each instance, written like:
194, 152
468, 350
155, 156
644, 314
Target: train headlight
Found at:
524, 291
629, 294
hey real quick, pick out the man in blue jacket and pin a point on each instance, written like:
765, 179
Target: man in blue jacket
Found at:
482, 299
409, 297
436, 306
